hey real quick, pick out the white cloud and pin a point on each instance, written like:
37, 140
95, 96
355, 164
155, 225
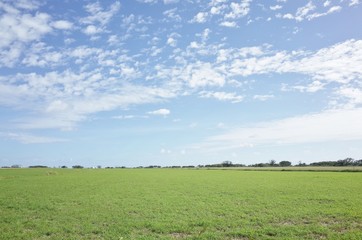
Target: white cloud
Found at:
276, 7
352, 94
217, 10
27, 4
148, 1
9, 56
307, 12
332, 125
61, 100
126, 117
331, 10
170, 1
354, 2
62, 24
303, 11
173, 15
238, 10
30, 138
161, 112
263, 97
222, 96
203, 74
172, 39
200, 17
91, 30
98, 15
327, 64
228, 24
172, 42
41, 55
24, 28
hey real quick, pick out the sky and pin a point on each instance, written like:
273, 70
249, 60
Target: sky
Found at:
179, 82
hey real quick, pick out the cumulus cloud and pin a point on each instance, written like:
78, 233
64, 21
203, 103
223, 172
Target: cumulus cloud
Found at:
17, 27
98, 15
91, 30
172, 39
238, 10
204, 74
200, 17
62, 24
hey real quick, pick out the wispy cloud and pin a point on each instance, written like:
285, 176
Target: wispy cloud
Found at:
263, 97
309, 12
98, 15
30, 138
162, 112
332, 125
222, 96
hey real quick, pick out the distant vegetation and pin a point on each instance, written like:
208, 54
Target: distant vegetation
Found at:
347, 162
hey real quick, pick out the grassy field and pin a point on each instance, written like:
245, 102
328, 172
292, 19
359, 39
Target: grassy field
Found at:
179, 204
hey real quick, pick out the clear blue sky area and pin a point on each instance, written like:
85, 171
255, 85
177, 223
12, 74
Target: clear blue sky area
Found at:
179, 82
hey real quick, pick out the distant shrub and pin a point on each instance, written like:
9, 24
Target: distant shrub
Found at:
285, 164
38, 166
77, 166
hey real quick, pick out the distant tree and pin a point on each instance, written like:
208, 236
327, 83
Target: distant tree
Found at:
77, 166
64, 166
272, 163
15, 166
358, 163
99, 166
38, 166
300, 164
285, 163
345, 162
259, 165
227, 164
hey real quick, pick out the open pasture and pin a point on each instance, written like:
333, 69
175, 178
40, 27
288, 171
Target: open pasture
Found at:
179, 204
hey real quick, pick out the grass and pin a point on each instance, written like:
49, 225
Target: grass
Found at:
179, 204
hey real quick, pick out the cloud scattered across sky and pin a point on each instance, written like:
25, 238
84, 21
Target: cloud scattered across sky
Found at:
60, 70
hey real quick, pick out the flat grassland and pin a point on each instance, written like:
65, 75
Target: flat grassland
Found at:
179, 204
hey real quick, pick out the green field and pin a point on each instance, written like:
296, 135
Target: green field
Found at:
179, 204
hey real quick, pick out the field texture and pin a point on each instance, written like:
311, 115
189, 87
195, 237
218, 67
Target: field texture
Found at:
179, 204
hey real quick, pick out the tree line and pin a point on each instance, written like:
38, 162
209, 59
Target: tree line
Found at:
272, 163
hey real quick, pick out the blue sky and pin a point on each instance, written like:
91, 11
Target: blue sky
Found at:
171, 82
